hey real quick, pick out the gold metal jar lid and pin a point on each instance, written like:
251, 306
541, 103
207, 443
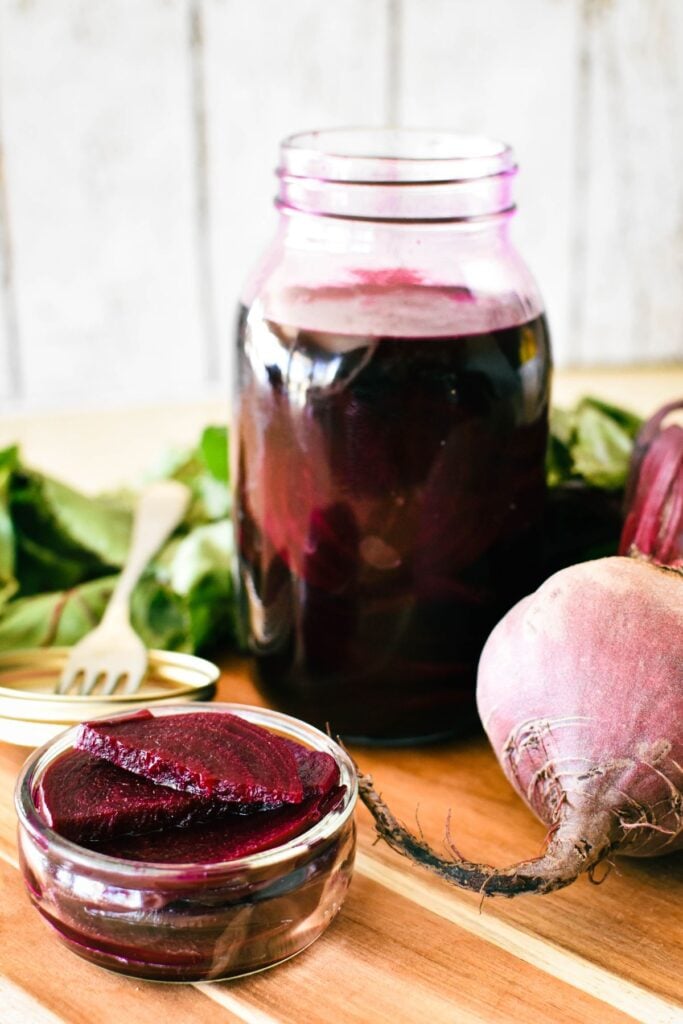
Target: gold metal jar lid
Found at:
31, 713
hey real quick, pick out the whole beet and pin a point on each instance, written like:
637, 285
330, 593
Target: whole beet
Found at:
580, 689
601, 644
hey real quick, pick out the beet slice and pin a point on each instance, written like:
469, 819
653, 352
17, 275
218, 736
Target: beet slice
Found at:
211, 755
318, 771
84, 798
236, 836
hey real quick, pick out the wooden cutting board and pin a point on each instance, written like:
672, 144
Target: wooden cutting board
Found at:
405, 947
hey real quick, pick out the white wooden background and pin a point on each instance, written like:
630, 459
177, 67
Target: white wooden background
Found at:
138, 139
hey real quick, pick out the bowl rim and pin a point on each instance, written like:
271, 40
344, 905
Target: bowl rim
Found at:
100, 864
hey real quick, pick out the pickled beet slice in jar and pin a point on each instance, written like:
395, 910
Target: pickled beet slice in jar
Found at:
210, 755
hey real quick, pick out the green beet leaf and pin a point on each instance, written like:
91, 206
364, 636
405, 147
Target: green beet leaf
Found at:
98, 525
54, 619
591, 443
161, 617
201, 569
602, 451
204, 471
9, 459
62, 537
59, 550
558, 463
205, 551
42, 568
628, 421
214, 449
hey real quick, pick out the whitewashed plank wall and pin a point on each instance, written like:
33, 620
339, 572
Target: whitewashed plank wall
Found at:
139, 136
97, 133
628, 258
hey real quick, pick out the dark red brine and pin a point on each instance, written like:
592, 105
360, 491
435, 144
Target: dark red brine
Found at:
388, 454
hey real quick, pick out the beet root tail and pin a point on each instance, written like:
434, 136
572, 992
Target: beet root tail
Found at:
573, 847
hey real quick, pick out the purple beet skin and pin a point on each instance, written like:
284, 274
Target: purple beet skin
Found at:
211, 755
235, 836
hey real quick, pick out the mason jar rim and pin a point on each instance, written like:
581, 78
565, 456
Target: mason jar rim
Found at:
385, 156
103, 864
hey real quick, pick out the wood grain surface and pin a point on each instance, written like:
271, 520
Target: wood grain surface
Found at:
405, 947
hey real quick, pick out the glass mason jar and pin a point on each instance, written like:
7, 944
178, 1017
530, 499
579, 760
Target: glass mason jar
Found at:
390, 430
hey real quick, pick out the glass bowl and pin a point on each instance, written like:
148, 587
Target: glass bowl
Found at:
190, 922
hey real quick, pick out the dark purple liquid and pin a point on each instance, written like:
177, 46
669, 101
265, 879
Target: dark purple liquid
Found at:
389, 500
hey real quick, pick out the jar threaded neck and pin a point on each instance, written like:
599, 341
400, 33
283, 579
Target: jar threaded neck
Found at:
396, 175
